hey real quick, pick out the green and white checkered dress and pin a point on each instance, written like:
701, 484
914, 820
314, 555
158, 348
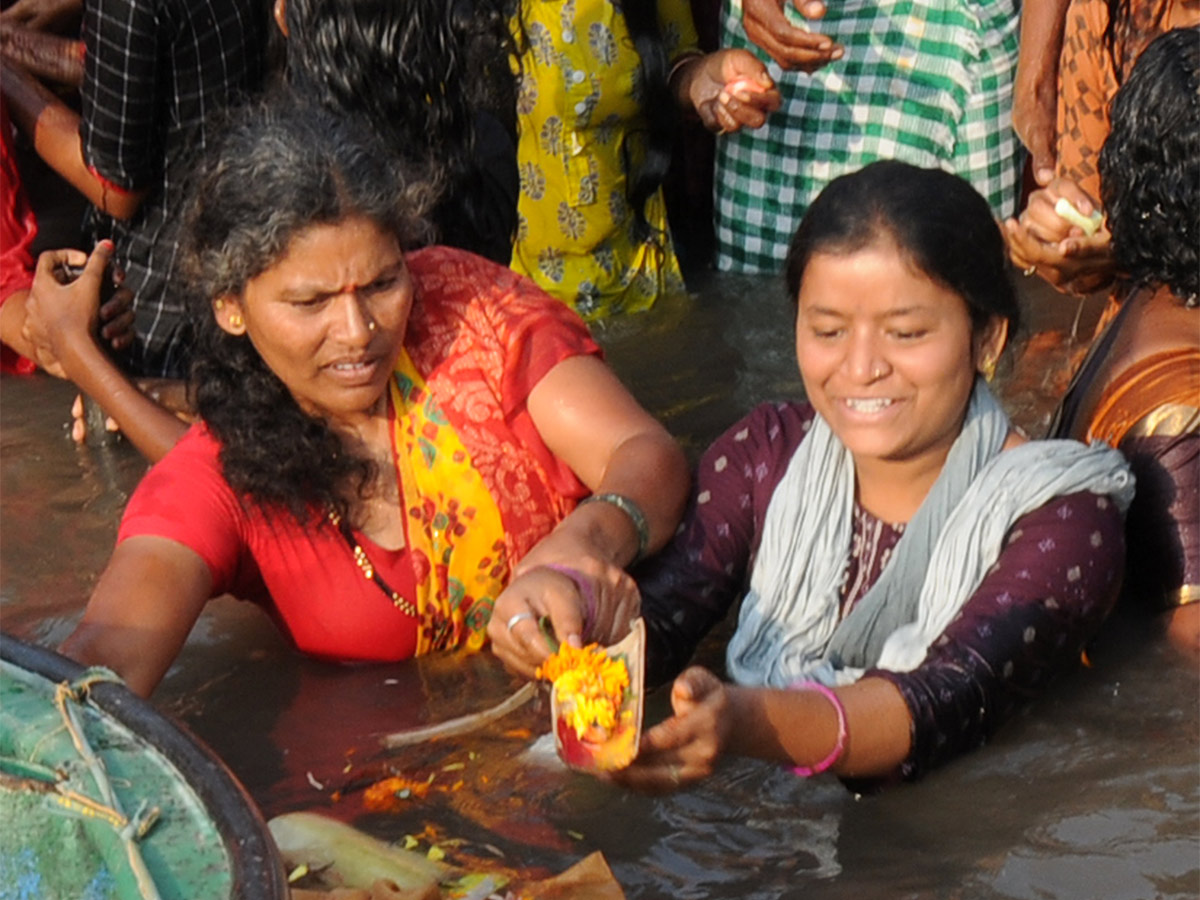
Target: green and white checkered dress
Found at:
927, 82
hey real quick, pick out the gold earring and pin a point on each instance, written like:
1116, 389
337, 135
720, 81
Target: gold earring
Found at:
235, 321
987, 368
218, 304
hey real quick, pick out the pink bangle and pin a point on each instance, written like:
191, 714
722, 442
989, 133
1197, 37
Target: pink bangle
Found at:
840, 746
586, 590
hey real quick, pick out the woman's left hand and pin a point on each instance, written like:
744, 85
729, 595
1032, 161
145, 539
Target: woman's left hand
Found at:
730, 90
584, 598
686, 747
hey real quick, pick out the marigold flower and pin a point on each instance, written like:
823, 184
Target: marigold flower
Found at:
590, 685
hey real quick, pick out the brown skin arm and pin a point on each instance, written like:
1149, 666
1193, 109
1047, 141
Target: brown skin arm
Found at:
12, 331
54, 127
1035, 93
60, 322
141, 612
1183, 631
590, 422
791, 727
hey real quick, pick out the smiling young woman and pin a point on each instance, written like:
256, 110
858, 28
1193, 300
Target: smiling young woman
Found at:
909, 568
393, 442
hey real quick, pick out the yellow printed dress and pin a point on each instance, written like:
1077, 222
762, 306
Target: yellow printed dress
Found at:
578, 108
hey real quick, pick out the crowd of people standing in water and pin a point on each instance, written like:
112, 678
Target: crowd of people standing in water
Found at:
370, 237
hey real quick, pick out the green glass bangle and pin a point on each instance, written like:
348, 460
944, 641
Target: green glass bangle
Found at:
636, 516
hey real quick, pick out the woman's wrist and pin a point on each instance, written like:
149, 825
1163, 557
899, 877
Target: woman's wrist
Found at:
679, 79
633, 514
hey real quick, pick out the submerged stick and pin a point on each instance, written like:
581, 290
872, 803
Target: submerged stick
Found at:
462, 724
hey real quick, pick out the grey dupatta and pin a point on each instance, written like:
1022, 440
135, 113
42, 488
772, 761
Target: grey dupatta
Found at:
788, 628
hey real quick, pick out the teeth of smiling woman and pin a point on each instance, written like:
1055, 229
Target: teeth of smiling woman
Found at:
873, 405
349, 367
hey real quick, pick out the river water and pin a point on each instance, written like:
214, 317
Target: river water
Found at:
1092, 792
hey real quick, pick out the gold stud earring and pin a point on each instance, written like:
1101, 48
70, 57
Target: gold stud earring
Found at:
235, 321
987, 368
218, 304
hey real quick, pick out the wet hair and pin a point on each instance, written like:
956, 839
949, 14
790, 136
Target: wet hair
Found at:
937, 220
1150, 168
421, 72
658, 114
280, 167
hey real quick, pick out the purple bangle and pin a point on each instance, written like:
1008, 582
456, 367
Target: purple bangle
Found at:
586, 590
840, 746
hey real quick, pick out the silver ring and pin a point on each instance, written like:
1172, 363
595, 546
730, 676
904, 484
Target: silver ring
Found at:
517, 618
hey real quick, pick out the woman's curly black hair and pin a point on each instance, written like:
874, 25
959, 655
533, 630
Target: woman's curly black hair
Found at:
281, 166
430, 76
1150, 167
937, 220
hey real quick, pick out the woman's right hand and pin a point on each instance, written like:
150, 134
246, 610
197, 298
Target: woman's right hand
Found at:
582, 597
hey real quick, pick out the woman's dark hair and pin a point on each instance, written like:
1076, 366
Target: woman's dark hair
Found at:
937, 220
1150, 167
433, 79
658, 113
281, 166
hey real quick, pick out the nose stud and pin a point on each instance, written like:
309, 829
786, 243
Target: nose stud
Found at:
371, 326
876, 374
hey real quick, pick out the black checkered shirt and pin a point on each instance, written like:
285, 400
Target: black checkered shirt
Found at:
154, 70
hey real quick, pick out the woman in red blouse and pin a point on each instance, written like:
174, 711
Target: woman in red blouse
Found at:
391, 444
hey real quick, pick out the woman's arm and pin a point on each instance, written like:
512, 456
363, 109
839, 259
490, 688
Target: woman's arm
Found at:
60, 322
1030, 619
589, 421
142, 609
1048, 593
54, 128
792, 727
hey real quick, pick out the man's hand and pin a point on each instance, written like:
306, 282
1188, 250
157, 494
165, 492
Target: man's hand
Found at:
791, 47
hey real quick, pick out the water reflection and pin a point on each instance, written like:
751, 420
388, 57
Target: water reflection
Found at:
1095, 791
